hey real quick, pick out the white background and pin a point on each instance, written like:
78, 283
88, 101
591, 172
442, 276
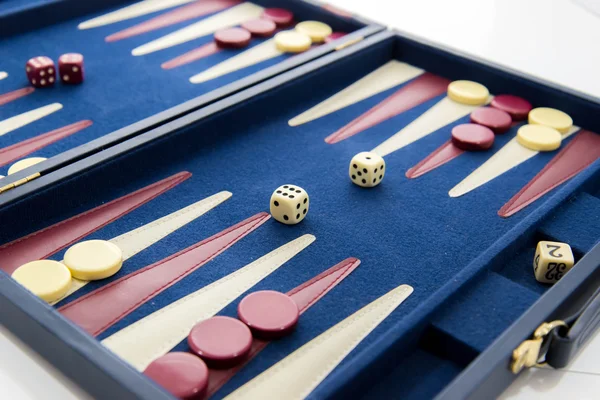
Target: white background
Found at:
557, 40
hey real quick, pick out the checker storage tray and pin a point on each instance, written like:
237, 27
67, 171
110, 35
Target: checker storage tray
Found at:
474, 298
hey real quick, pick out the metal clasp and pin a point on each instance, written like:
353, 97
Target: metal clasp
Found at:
528, 355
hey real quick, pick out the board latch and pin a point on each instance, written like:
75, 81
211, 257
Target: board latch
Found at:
529, 353
19, 182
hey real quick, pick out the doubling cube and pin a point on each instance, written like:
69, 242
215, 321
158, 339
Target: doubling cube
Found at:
367, 169
552, 260
70, 68
41, 71
289, 204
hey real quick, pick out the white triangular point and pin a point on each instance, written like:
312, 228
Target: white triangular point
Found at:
226, 19
139, 239
132, 11
262, 52
301, 372
154, 335
19, 121
509, 156
3, 75
441, 114
383, 78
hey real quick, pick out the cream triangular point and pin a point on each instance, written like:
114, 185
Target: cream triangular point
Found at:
154, 335
262, 52
19, 121
508, 157
135, 10
297, 375
383, 78
226, 19
145, 236
441, 114
3, 75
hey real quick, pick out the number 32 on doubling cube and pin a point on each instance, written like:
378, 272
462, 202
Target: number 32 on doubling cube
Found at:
552, 261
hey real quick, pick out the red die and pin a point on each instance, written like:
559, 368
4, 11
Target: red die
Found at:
41, 71
70, 68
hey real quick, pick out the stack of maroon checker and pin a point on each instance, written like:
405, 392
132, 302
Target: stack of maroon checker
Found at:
487, 121
223, 342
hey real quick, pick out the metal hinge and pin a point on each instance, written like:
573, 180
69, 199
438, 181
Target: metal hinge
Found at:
349, 43
19, 182
528, 355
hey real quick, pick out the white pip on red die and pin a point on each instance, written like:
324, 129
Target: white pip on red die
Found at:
367, 169
289, 204
70, 68
41, 71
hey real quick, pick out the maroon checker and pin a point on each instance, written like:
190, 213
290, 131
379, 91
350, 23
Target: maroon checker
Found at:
260, 27
269, 314
517, 107
222, 342
233, 38
184, 375
472, 137
334, 36
497, 120
282, 17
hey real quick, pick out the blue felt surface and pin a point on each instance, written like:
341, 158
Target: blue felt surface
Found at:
119, 88
404, 231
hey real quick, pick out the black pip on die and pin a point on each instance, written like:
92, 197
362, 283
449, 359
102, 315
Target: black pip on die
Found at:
289, 204
367, 169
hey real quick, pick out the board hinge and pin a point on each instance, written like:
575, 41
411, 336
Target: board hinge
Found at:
349, 43
19, 182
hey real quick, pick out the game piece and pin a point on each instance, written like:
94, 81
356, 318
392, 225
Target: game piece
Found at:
269, 314
292, 42
551, 117
70, 68
295, 376
260, 27
3, 75
317, 31
259, 53
47, 279
184, 375
225, 19
192, 11
154, 335
472, 137
289, 204
334, 36
283, 18
387, 76
233, 38
367, 169
41, 71
21, 120
552, 261
580, 153
539, 137
24, 163
221, 342
26, 147
93, 260
468, 92
517, 107
419, 90
497, 120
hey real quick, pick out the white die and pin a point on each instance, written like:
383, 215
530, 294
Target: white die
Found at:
367, 169
289, 204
